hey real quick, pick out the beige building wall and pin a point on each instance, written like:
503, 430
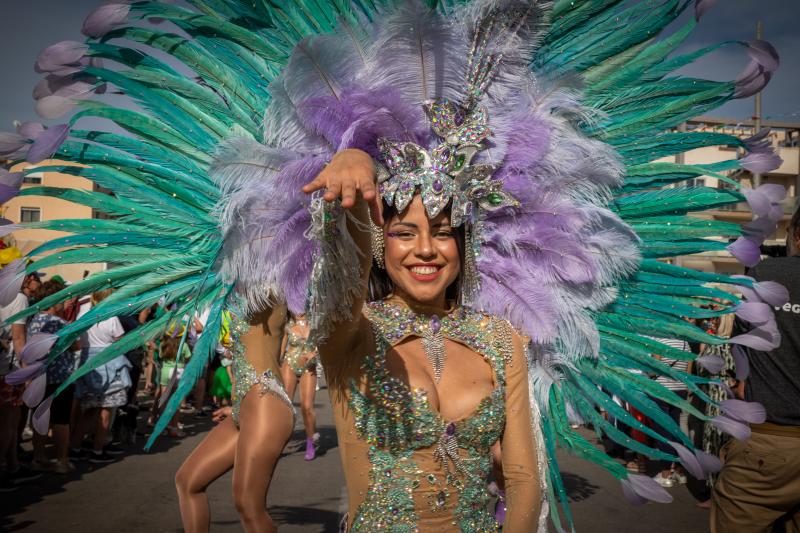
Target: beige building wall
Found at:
50, 209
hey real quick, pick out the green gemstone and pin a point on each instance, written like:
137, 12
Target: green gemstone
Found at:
459, 162
495, 198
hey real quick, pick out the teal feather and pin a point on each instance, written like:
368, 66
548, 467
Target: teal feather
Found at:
679, 200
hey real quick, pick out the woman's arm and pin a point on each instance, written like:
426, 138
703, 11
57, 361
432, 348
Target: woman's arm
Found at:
350, 176
520, 466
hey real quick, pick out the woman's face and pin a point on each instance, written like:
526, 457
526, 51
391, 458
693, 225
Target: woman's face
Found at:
421, 254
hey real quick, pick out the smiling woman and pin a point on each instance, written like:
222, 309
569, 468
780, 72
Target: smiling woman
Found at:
423, 429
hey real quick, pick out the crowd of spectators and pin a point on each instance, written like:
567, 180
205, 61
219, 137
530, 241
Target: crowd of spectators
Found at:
96, 418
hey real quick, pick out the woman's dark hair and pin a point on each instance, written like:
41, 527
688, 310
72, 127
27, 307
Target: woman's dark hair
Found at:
380, 284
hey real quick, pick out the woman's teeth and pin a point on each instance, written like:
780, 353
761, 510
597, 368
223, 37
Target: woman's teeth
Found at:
423, 270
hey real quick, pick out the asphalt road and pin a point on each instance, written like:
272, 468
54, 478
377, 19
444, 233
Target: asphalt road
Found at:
136, 493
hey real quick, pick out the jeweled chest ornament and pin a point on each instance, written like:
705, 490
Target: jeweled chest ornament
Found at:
446, 172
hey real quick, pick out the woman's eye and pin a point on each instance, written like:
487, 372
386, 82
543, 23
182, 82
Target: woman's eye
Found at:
443, 235
404, 235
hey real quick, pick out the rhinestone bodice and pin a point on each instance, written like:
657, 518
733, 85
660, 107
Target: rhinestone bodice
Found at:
424, 466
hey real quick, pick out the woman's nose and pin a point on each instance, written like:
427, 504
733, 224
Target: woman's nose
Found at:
425, 246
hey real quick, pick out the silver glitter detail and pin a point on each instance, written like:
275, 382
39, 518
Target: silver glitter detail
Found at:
446, 451
336, 276
433, 344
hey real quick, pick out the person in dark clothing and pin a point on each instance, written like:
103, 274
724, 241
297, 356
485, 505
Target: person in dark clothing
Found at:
758, 488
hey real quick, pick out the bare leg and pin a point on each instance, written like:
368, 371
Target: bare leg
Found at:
212, 458
289, 380
61, 440
308, 390
101, 431
85, 421
265, 426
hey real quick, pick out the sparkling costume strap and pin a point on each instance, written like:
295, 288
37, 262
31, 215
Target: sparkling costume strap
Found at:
336, 276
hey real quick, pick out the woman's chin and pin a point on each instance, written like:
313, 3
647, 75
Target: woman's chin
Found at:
424, 294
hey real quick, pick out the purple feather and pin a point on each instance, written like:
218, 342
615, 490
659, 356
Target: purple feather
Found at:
771, 292
7, 227
48, 143
51, 107
742, 362
689, 460
12, 145
37, 346
41, 417
754, 312
709, 463
11, 277
359, 117
759, 338
761, 162
701, 7
645, 487
763, 53
758, 201
12, 180
732, 427
752, 80
57, 56
21, 375
104, 19
712, 363
31, 130
34, 392
774, 191
630, 494
759, 229
746, 251
751, 412
527, 143
7, 193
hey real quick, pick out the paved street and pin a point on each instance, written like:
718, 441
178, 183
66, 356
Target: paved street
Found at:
136, 494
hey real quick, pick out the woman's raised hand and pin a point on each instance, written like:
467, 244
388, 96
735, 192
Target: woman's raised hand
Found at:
349, 173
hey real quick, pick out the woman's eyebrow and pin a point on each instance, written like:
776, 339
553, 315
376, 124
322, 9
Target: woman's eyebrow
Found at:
441, 224
407, 224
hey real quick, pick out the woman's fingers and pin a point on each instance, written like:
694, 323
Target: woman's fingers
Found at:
333, 191
316, 184
348, 194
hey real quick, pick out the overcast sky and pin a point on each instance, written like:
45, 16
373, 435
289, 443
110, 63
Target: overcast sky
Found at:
28, 26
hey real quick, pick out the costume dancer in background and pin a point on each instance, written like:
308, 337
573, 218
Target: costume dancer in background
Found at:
299, 366
251, 439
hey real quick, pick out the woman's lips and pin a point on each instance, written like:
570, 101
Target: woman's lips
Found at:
425, 272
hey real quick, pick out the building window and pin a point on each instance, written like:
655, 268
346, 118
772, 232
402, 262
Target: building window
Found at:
30, 214
33, 179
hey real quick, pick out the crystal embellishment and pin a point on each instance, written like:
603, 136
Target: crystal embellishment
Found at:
445, 173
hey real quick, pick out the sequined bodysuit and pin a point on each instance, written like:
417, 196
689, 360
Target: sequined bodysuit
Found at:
297, 350
245, 375
408, 469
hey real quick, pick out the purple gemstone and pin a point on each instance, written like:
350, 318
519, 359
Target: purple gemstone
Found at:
437, 186
435, 324
450, 430
479, 192
405, 186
